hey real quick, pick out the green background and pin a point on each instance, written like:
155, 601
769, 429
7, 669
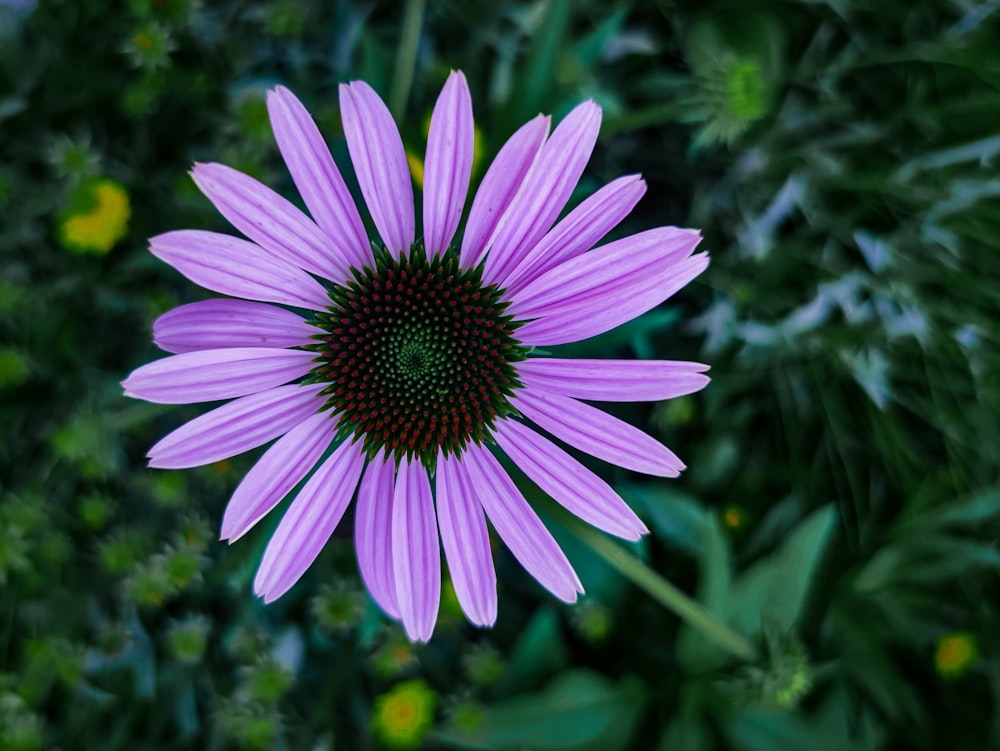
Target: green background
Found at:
840, 506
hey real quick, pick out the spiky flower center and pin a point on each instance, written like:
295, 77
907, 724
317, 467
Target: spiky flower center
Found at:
418, 353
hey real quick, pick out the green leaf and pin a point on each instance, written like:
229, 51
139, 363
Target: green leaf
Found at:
538, 653
977, 509
688, 730
836, 727
580, 710
696, 653
774, 589
675, 517
926, 559
590, 49
771, 592
537, 74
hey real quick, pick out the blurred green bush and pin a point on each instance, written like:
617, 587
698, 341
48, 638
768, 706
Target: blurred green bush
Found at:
840, 506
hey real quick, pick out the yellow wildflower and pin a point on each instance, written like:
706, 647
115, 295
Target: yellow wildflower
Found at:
955, 654
734, 517
416, 168
97, 219
403, 715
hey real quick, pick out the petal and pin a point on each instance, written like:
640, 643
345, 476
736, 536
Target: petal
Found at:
448, 163
270, 220
597, 433
216, 374
309, 522
568, 481
622, 261
545, 190
580, 230
609, 307
373, 534
317, 178
416, 557
223, 324
518, 525
606, 287
238, 426
379, 163
499, 186
614, 380
280, 469
466, 543
239, 268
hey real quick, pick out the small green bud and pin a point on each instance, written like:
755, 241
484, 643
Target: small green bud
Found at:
188, 639
267, 681
338, 607
593, 621
95, 510
483, 664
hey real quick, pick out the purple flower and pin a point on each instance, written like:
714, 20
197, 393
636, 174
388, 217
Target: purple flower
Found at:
395, 372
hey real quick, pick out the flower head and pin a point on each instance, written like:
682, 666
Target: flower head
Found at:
393, 372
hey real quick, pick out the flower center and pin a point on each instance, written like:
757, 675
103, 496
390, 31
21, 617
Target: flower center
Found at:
419, 355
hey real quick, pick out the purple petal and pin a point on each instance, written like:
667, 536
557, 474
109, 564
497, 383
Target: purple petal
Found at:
466, 543
448, 163
379, 163
568, 481
309, 522
545, 190
499, 186
631, 257
580, 230
279, 470
416, 557
604, 288
373, 534
239, 268
614, 380
317, 178
597, 433
270, 220
518, 525
236, 427
223, 324
216, 374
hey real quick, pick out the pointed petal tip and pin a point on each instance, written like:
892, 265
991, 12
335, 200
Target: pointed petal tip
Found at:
263, 587
416, 638
637, 532
418, 633
590, 108
482, 620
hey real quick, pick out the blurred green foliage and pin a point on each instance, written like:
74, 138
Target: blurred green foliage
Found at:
841, 502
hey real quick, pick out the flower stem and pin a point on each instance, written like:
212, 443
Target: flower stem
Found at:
661, 590
406, 58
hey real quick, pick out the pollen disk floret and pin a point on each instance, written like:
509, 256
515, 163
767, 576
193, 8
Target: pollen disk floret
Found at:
419, 355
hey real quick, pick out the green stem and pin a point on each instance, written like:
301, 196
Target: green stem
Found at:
406, 58
673, 599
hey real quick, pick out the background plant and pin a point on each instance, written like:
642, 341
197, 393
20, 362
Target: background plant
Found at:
840, 507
